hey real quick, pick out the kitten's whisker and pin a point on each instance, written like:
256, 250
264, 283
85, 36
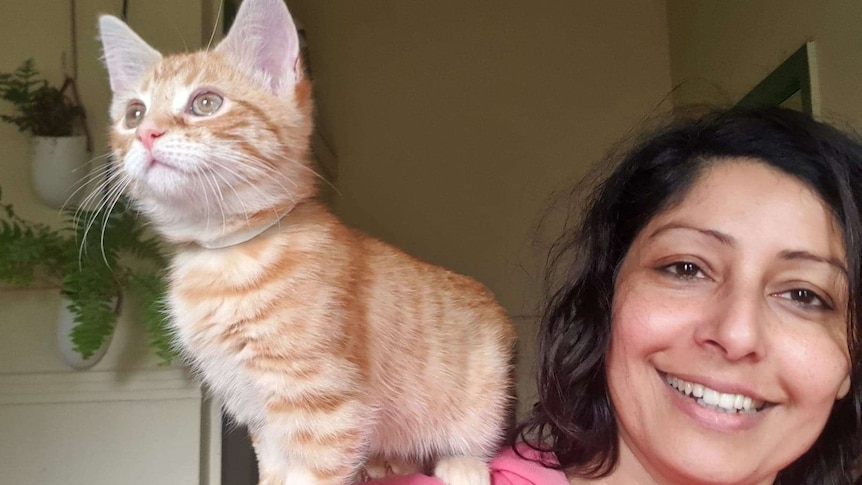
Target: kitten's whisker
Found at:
221, 205
301, 165
261, 167
217, 193
255, 187
99, 171
219, 155
199, 177
170, 20
242, 178
215, 26
90, 195
84, 181
105, 200
219, 199
238, 198
112, 199
105, 226
314, 172
101, 205
96, 192
90, 161
231, 156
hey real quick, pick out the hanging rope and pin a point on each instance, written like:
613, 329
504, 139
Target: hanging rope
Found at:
70, 84
72, 74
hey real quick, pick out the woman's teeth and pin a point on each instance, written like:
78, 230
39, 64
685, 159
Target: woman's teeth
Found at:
712, 399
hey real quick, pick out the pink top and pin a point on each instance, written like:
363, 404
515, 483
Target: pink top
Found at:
506, 469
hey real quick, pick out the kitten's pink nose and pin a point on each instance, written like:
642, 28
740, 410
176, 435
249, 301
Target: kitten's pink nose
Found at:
147, 132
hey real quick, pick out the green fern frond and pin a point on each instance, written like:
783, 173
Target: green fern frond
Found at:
152, 291
150, 250
92, 293
87, 260
25, 246
39, 107
96, 321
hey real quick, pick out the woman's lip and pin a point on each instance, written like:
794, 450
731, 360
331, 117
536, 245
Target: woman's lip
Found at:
721, 386
710, 419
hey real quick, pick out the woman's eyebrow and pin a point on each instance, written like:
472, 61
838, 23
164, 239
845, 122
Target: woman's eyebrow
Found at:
805, 255
721, 237
728, 240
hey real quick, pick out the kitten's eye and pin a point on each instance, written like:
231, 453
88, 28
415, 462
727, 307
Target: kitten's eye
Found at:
135, 113
805, 298
684, 270
206, 104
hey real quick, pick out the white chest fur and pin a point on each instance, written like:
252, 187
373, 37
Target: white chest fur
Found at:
205, 303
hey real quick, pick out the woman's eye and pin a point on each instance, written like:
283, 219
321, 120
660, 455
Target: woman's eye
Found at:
805, 298
205, 104
684, 270
134, 114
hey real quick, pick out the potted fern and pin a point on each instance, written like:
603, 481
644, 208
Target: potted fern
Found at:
96, 261
60, 154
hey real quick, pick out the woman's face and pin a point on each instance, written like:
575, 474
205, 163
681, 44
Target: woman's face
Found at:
728, 345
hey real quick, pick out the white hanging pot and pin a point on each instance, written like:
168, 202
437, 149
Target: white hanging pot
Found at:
59, 166
65, 323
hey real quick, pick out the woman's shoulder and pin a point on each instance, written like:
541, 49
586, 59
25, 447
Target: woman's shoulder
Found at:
524, 467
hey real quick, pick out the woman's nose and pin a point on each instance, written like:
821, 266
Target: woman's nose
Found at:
735, 327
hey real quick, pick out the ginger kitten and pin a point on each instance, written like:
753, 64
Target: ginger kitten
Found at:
331, 346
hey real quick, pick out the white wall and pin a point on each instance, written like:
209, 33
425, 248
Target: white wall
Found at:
127, 420
41, 29
101, 428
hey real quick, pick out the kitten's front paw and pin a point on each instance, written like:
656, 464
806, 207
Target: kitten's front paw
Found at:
404, 467
462, 470
375, 468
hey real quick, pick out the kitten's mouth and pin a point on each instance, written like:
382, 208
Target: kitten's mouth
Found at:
158, 163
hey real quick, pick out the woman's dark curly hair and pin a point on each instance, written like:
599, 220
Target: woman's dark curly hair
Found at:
574, 417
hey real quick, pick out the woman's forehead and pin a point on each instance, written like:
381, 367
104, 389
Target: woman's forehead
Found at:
746, 201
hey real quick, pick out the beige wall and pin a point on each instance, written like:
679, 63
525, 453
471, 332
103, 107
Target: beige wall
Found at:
720, 50
454, 121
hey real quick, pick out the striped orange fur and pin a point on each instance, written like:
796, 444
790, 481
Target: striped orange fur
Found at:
331, 346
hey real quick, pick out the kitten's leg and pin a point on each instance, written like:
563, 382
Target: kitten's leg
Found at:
315, 443
269, 464
463, 470
379, 467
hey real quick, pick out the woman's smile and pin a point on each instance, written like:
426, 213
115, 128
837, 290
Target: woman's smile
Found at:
726, 402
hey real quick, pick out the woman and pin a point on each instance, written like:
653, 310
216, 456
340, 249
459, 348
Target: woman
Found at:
706, 329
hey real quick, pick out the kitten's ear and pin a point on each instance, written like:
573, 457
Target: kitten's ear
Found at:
263, 38
127, 56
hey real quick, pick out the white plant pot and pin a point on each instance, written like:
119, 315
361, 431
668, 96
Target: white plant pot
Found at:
59, 166
65, 324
